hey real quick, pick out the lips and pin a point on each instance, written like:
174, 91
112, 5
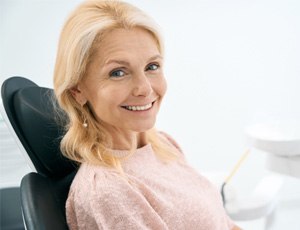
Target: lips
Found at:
138, 107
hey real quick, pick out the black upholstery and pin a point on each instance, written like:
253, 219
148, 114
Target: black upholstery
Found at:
10, 209
43, 201
31, 112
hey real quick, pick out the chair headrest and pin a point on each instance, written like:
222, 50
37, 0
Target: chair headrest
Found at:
36, 115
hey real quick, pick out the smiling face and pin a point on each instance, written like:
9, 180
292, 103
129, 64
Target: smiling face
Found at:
124, 83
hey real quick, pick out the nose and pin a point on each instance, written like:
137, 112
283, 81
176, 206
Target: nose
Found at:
142, 86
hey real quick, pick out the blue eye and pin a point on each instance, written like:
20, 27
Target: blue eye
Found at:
116, 73
152, 67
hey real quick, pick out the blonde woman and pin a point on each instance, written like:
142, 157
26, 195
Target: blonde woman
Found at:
109, 80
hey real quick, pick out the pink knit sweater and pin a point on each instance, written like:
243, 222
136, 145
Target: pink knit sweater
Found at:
158, 196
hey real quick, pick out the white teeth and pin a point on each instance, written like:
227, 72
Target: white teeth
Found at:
139, 108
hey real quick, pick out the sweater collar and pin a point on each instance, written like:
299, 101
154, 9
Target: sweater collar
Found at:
124, 153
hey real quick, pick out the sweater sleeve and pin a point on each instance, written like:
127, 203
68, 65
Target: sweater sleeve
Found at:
110, 202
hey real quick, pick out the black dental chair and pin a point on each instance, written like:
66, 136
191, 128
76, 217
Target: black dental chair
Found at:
30, 111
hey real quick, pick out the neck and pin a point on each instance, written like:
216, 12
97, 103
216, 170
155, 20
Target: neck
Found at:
128, 140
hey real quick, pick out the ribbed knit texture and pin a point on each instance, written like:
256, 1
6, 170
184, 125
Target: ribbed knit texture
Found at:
155, 195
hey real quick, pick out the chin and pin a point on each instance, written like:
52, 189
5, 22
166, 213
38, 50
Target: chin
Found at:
143, 127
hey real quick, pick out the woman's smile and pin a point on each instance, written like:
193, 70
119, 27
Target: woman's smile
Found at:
138, 108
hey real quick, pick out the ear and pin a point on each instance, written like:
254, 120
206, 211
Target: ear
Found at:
78, 95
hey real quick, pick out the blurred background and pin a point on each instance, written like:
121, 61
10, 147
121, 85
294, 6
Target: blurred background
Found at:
229, 65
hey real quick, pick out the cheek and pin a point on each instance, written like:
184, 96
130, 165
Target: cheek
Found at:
107, 99
162, 87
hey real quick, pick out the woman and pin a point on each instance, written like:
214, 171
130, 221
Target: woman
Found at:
109, 80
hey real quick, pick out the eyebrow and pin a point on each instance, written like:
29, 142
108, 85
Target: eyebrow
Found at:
121, 62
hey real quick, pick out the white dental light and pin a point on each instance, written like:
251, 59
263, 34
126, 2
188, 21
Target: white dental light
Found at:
281, 142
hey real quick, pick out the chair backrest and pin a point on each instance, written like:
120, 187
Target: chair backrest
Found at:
32, 112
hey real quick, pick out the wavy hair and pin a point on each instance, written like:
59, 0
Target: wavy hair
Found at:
79, 39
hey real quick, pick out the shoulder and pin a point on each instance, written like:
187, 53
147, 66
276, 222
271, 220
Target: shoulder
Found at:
90, 177
96, 195
98, 182
93, 184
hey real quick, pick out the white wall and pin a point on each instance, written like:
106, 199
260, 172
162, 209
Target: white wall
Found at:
228, 63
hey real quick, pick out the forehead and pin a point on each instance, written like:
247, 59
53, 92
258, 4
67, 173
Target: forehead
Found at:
120, 42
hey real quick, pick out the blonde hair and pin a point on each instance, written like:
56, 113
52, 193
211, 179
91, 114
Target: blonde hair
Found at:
79, 39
